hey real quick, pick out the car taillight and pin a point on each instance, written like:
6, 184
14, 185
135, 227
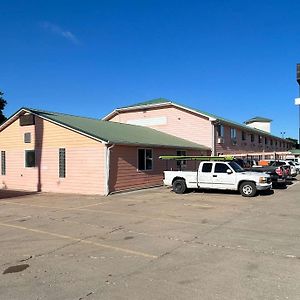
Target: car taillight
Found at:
279, 171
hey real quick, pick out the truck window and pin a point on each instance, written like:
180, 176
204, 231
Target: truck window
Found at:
206, 167
221, 168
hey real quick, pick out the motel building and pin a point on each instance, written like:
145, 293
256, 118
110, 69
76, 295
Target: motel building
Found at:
222, 136
55, 152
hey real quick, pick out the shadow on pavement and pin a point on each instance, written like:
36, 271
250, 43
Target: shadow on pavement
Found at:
6, 194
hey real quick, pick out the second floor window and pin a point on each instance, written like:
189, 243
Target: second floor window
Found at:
252, 137
220, 130
243, 135
233, 135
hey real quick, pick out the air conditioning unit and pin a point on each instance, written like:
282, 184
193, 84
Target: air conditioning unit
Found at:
220, 140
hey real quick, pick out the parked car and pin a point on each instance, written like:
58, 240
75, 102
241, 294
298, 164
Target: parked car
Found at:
223, 175
277, 173
290, 168
295, 164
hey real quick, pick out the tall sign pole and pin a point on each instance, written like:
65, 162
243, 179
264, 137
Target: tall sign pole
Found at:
297, 100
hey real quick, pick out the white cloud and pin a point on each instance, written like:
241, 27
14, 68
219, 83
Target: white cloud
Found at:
55, 29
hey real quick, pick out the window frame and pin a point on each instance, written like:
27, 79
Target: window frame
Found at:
25, 158
233, 135
244, 135
220, 131
28, 136
182, 163
62, 168
145, 160
3, 162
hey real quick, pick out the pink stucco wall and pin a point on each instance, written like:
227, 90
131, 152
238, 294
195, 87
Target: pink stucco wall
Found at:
84, 160
180, 123
124, 173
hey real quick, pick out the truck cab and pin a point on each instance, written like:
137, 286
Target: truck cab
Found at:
224, 175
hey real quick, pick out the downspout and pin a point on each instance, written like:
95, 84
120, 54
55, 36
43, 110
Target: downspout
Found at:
107, 168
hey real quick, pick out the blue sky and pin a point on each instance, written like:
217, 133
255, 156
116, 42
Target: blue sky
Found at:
235, 59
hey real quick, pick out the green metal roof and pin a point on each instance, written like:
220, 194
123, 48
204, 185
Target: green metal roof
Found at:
257, 119
229, 122
149, 102
116, 133
295, 151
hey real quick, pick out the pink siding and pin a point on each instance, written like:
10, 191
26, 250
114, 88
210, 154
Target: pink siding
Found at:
124, 172
84, 160
192, 127
180, 123
246, 146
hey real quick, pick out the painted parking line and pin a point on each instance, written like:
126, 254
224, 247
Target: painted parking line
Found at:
70, 238
111, 213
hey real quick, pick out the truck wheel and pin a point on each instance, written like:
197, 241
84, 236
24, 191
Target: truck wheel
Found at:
179, 186
248, 189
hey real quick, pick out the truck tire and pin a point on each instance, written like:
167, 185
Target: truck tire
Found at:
179, 186
248, 189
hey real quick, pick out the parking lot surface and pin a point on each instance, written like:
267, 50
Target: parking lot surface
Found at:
150, 244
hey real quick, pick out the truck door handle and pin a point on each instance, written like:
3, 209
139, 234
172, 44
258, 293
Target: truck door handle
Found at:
215, 175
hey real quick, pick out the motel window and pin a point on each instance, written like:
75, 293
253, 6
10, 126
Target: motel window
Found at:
145, 159
243, 135
271, 142
181, 162
276, 143
266, 141
27, 137
29, 158
233, 135
62, 162
252, 138
280, 144
220, 130
260, 139
3, 163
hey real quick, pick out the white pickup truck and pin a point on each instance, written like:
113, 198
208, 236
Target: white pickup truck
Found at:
223, 175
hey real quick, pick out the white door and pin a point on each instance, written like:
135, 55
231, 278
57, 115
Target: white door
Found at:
221, 179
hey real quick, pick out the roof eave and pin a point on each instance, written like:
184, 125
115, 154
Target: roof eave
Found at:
161, 146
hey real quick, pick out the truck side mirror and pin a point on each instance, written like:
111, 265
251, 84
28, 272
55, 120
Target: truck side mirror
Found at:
228, 171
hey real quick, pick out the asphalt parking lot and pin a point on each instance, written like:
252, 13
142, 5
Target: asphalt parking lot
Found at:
150, 244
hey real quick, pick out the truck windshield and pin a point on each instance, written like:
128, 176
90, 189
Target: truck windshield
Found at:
236, 167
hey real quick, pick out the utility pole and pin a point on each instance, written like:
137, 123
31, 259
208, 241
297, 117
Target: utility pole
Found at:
297, 100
